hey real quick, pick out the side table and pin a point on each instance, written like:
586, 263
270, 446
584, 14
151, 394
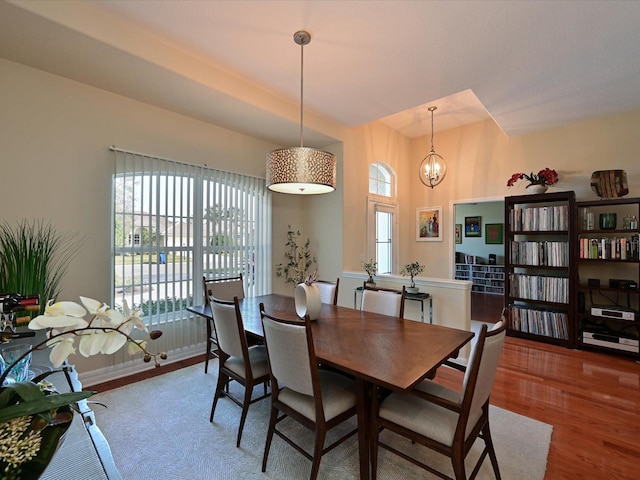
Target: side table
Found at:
417, 297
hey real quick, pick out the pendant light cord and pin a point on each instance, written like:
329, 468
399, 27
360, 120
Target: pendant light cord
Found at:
301, 90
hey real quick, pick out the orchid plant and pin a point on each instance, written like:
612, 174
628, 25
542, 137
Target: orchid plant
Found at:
107, 332
27, 408
545, 176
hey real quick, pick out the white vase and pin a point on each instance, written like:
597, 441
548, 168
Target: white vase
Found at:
537, 188
307, 300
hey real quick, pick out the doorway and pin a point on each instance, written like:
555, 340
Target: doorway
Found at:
478, 253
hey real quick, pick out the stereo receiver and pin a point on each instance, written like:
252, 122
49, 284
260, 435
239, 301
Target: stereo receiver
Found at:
623, 284
612, 311
611, 341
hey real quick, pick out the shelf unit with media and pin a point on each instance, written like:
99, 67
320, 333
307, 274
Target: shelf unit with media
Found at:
607, 317
485, 278
540, 267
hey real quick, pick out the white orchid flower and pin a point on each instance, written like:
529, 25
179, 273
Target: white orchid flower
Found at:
134, 317
64, 346
60, 315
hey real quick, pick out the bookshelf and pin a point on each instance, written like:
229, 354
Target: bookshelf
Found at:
608, 277
540, 267
485, 278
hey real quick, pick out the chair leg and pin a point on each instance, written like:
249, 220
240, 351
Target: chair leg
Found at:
248, 390
458, 467
317, 452
207, 357
272, 425
222, 380
486, 434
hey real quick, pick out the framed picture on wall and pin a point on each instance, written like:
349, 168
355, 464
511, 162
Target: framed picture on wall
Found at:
493, 233
472, 227
458, 233
428, 220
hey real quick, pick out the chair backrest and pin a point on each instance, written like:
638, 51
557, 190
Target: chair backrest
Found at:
385, 301
483, 364
227, 320
223, 288
328, 291
290, 352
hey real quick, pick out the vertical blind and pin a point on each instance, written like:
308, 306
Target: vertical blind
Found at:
172, 223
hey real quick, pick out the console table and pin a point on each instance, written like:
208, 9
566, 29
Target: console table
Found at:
417, 297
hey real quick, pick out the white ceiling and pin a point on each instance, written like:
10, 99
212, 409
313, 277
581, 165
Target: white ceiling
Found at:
529, 65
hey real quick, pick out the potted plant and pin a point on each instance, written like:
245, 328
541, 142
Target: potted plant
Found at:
298, 259
33, 415
412, 269
34, 258
538, 183
371, 267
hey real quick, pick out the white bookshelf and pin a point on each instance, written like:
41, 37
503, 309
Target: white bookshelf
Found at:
485, 278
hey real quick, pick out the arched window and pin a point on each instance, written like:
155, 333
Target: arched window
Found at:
382, 218
382, 180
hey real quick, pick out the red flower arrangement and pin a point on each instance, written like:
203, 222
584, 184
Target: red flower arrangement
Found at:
543, 177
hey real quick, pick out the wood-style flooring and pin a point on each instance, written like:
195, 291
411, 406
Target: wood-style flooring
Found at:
591, 399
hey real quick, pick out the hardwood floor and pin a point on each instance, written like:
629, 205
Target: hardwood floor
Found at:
591, 399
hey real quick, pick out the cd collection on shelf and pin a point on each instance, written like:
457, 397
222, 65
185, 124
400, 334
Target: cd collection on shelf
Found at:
539, 322
548, 253
539, 287
548, 218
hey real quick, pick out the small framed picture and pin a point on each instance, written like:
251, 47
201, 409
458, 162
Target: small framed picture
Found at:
472, 227
493, 233
458, 233
428, 221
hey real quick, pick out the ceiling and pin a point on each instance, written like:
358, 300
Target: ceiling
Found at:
529, 65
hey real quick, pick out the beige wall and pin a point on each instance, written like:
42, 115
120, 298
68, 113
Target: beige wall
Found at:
56, 165
480, 158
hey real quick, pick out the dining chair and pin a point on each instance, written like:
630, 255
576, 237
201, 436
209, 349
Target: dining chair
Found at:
222, 289
236, 361
442, 419
385, 301
317, 399
328, 291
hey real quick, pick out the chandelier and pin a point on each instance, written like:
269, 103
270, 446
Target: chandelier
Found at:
433, 167
301, 170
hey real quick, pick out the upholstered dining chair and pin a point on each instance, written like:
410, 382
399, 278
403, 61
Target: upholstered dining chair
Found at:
328, 291
318, 399
446, 420
385, 301
222, 289
236, 361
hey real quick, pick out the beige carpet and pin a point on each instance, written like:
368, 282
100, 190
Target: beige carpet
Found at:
159, 428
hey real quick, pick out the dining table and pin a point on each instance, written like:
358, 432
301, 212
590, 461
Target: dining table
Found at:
377, 350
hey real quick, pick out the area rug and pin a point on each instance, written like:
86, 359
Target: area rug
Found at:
159, 428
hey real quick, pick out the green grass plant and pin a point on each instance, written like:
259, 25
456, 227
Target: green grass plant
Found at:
34, 258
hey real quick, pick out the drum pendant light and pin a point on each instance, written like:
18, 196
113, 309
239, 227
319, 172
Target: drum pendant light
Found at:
433, 167
301, 170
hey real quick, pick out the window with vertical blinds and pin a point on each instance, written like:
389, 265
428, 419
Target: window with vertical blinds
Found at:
172, 224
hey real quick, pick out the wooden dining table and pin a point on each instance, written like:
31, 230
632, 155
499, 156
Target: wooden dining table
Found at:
377, 350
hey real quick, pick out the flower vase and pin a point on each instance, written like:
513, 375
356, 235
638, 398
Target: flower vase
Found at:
307, 300
537, 188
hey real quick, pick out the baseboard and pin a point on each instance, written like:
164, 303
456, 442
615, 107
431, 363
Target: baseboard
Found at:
107, 374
